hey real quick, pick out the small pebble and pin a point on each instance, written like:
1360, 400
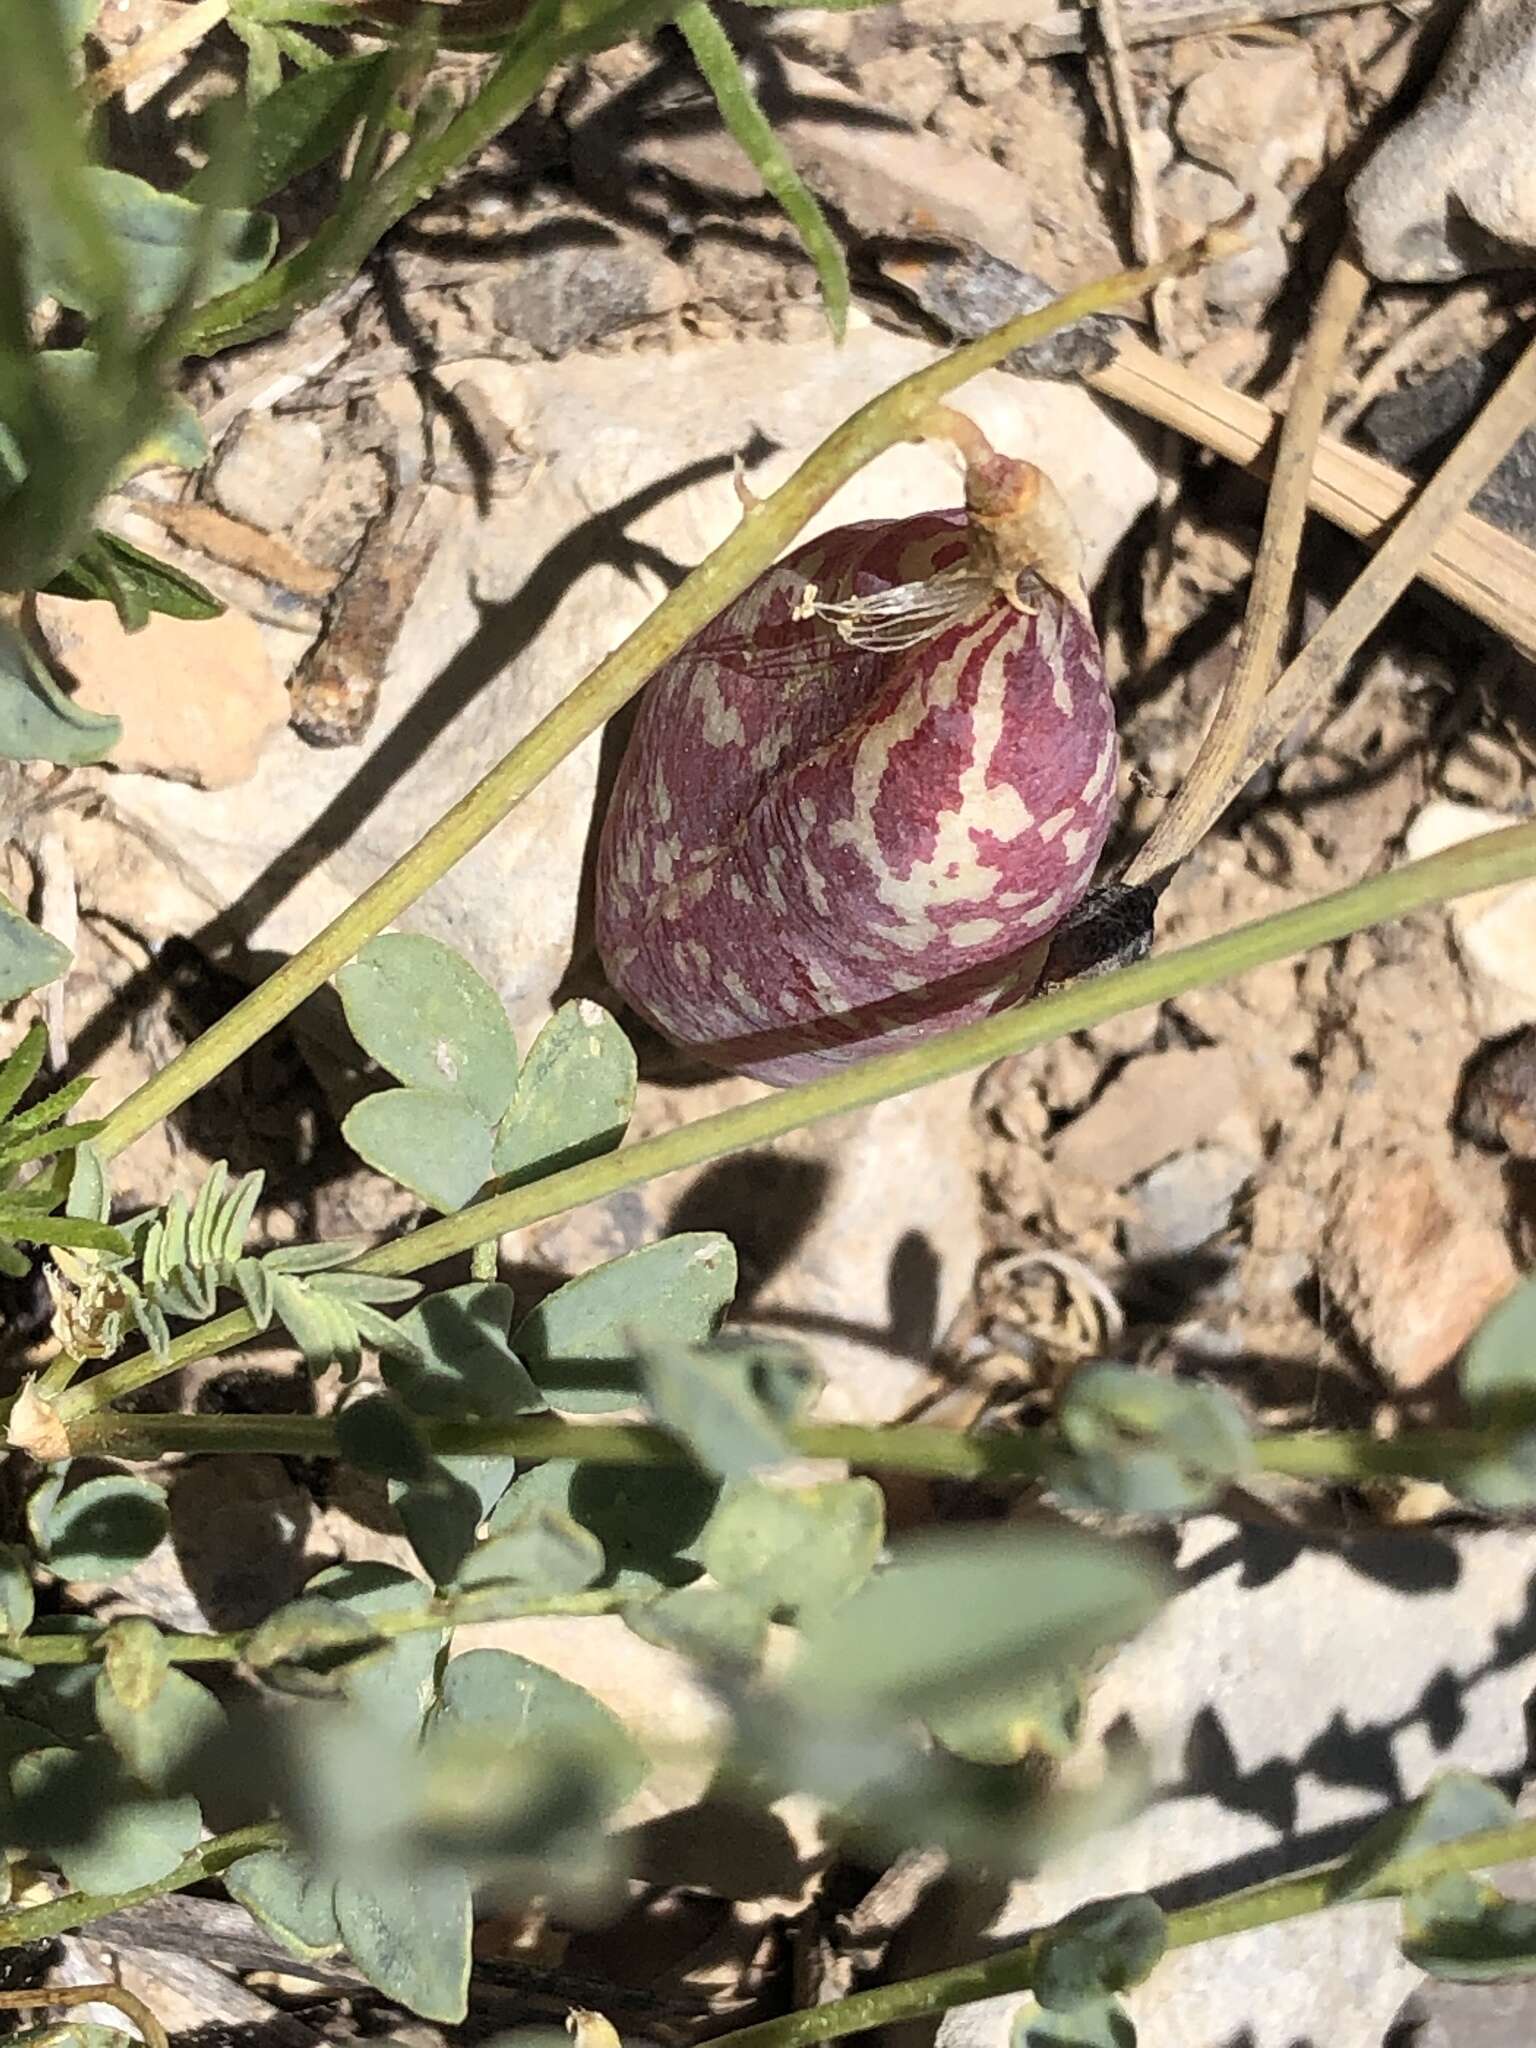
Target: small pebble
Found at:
1498, 1105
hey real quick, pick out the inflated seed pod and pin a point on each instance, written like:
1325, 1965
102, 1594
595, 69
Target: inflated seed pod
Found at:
856, 805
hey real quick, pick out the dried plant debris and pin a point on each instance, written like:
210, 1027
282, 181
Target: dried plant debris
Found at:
335, 693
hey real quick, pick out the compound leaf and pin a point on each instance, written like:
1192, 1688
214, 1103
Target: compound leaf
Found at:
1104, 2024
794, 1549
1457, 1803
1143, 1444
29, 958
573, 1099
1462, 1929
290, 1899
1106, 1946
437, 1145
963, 1618
38, 722
79, 1808
408, 1931
428, 1018
579, 1343
99, 1528
158, 236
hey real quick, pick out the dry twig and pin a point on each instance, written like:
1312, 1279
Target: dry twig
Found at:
1479, 566
1505, 417
1206, 790
92, 1994
185, 28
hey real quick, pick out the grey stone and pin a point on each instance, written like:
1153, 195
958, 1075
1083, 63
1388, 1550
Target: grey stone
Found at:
1471, 2015
1453, 190
1185, 1202
632, 486
268, 470
577, 291
969, 292
1288, 1694
1243, 285
1417, 426
1198, 196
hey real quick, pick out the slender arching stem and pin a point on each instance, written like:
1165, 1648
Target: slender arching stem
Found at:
1498, 857
1013, 1969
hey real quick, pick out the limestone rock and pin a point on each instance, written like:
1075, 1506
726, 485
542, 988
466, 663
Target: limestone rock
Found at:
1185, 1202
1495, 930
1156, 1107
268, 470
1285, 1697
1453, 190
886, 179
197, 697
1257, 116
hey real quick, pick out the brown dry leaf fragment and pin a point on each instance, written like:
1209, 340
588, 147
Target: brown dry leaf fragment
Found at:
34, 1427
335, 692
239, 546
590, 2029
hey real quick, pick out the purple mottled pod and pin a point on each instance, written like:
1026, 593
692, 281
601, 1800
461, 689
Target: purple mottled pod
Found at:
856, 805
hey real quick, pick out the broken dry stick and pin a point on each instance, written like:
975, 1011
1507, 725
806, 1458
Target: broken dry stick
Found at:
1506, 416
1485, 570
1208, 788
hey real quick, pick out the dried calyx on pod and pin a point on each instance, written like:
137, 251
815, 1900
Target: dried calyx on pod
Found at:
854, 807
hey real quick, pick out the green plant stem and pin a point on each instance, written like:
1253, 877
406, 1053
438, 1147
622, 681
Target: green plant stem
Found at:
549, 35
1347, 1457
721, 70
1497, 857
453, 1612
913, 1447
1013, 1969
78, 1909
898, 414
1351, 1457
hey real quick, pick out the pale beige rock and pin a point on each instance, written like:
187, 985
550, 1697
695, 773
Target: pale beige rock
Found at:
1411, 1261
269, 470
1256, 115
886, 179
908, 82
1288, 1695
1495, 930
860, 34
198, 698
1164, 1103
